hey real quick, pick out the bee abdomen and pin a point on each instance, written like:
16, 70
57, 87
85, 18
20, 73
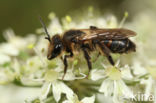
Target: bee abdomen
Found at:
117, 46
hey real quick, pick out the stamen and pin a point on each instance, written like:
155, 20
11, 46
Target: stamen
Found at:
123, 20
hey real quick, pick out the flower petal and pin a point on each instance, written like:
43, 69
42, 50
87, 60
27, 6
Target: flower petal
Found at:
88, 99
9, 49
71, 76
66, 101
97, 74
126, 73
138, 68
107, 87
121, 91
45, 90
56, 90
148, 86
4, 58
73, 99
65, 89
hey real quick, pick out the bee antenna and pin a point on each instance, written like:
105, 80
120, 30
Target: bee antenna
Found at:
46, 31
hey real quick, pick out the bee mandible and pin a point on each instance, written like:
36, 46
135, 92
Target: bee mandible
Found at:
105, 41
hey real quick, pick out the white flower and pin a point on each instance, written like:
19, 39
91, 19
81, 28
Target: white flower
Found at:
4, 58
102, 21
54, 27
148, 86
52, 80
18, 42
97, 74
6, 76
150, 82
14, 45
6, 51
138, 69
33, 64
75, 99
58, 87
113, 82
31, 73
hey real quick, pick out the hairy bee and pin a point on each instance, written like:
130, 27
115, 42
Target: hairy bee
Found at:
105, 41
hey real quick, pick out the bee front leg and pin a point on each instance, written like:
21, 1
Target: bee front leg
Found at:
106, 51
66, 63
88, 59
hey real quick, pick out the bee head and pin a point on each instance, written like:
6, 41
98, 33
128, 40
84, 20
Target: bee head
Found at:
55, 47
55, 43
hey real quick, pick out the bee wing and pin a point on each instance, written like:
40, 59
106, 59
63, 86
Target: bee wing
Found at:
109, 34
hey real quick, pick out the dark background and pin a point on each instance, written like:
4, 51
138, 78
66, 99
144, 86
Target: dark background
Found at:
22, 15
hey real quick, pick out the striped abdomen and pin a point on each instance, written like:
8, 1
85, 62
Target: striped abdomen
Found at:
120, 46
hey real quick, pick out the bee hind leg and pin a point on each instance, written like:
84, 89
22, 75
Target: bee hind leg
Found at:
88, 59
96, 57
66, 64
106, 51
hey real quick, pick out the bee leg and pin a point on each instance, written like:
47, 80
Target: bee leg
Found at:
87, 57
97, 57
66, 64
61, 58
106, 51
93, 27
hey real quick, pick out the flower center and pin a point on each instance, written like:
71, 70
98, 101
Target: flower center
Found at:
113, 73
51, 76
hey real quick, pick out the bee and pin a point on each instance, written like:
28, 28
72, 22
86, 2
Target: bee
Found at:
105, 41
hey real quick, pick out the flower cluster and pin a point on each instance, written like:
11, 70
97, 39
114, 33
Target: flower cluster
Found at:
23, 64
